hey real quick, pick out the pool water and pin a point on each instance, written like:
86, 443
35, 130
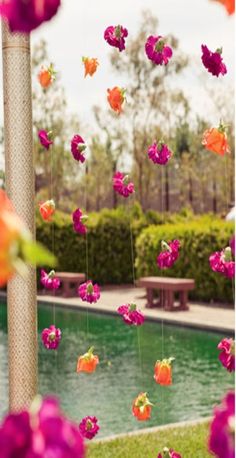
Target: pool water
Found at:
127, 357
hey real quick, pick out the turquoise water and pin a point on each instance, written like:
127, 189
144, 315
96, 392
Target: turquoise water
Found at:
127, 357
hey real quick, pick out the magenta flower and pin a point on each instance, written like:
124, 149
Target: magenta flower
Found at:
227, 355
122, 185
157, 51
115, 36
159, 153
169, 453
213, 61
51, 337
49, 281
24, 16
77, 147
44, 138
78, 221
221, 262
131, 315
89, 292
221, 440
89, 427
169, 254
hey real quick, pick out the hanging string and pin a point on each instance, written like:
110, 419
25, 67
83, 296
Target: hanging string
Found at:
86, 244
162, 293
227, 192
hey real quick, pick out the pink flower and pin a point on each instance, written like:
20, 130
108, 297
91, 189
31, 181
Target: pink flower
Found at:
227, 355
115, 36
159, 153
157, 51
121, 184
44, 138
131, 315
77, 147
213, 61
89, 292
78, 219
169, 453
221, 440
24, 16
169, 254
51, 337
89, 427
221, 262
49, 281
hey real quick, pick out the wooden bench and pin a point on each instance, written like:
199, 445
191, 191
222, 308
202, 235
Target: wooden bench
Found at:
167, 288
70, 282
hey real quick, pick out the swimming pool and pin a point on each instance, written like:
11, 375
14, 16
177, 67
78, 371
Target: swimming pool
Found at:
127, 357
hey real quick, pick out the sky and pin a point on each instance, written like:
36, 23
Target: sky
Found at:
78, 29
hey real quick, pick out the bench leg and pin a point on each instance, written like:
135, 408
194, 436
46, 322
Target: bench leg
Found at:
169, 303
149, 298
183, 299
66, 289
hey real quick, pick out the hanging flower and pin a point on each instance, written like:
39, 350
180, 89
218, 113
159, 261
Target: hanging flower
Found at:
78, 221
78, 146
227, 355
222, 262
47, 210
159, 153
90, 65
51, 337
131, 315
87, 362
169, 254
115, 36
157, 50
169, 453
89, 427
213, 61
49, 281
122, 185
229, 5
46, 76
44, 138
142, 407
89, 292
24, 16
215, 140
221, 440
163, 371
116, 98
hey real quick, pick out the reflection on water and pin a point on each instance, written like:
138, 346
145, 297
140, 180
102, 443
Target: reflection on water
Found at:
127, 357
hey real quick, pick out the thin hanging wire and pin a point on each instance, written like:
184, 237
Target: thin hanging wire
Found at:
162, 294
227, 192
86, 245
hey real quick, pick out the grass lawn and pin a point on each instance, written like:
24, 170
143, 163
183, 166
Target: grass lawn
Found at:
190, 441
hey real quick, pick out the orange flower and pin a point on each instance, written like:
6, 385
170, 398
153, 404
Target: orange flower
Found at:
116, 98
90, 65
163, 372
229, 5
215, 140
46, 76
142, 407
87, 362
47, 210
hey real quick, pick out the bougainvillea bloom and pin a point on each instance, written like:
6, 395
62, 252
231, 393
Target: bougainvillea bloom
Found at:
49, 281
221, 440
116, 98
169, 453
115, 36
44, 138
159, 153
131, 315
142, 407
157, 51
89, 427
90, 66
215, 140
229, 5
221, 262
169, 254
47, 210
213, 61
163, 372
78, 221
46, 76
227, 355
122, 185
87, 362
24, 16
77, 148
89, 292
51, 337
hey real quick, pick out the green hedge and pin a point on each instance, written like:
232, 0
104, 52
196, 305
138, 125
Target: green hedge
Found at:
198, 240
